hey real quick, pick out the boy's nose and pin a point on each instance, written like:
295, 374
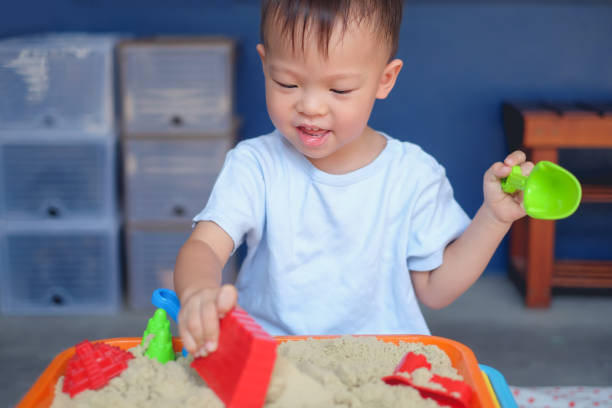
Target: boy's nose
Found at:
311, 104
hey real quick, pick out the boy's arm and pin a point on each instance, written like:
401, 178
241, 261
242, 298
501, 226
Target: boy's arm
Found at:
466, 258
201, 259
464, 261
197, 280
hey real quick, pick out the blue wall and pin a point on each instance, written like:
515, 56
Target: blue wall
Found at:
461, 62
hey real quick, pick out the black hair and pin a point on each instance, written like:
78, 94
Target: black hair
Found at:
296, 16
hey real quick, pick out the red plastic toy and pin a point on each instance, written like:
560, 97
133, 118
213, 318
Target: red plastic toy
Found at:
93, 365
456, 394
239, 370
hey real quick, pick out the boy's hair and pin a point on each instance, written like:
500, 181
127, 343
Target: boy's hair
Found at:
295, 17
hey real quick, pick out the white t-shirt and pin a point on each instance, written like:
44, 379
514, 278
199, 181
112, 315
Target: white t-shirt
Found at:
331, 254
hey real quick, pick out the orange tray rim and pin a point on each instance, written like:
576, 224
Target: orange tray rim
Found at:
42, 390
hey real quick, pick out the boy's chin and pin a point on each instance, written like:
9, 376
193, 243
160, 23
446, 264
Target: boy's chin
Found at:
315, 156
310, 152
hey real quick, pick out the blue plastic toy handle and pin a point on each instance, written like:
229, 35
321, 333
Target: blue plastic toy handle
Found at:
166, 299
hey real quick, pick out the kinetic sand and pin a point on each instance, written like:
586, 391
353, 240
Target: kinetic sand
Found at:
343, 372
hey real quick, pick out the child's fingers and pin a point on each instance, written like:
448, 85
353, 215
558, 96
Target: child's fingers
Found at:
226, 300
190, 326
210, 325
497, 171
188, 341
199, 319
514, 158
526, 168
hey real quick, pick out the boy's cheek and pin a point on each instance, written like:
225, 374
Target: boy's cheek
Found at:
277, 116
278, 103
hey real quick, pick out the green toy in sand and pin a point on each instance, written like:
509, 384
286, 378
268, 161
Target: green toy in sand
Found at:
160, 346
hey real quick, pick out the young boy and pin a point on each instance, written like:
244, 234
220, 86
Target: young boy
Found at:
346, 227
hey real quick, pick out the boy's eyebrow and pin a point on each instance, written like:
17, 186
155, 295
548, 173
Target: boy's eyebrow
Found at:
343, 75
340, 75
282, 69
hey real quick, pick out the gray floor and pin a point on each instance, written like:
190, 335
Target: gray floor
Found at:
568, 344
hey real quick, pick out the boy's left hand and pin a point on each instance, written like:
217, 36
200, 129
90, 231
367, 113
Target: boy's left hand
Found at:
504, 207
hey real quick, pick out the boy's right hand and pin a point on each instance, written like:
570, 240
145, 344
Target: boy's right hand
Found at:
199, 317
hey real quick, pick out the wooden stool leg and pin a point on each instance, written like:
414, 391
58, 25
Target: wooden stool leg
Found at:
517, 242
540, 262
540, 249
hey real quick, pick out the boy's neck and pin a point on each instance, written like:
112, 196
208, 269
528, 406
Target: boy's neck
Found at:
354, 155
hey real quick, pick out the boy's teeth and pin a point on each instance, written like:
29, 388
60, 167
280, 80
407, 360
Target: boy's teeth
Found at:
313, 131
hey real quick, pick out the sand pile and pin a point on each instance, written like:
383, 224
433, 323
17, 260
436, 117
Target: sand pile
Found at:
342, 372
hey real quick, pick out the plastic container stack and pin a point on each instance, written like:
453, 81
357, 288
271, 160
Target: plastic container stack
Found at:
178, 122
59, 229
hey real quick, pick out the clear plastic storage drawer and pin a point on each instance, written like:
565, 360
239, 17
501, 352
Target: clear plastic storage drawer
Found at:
151, 257
177, 87
59, 268
171, 179
60, 180
58, 82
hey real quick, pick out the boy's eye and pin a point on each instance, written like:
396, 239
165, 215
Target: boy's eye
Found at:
341, 92
285, 85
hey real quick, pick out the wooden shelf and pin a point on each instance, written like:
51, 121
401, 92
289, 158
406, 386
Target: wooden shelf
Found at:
570, 130
585, 274
541, 129
573, 273
596, 194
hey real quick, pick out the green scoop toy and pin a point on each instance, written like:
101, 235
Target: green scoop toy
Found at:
549, 192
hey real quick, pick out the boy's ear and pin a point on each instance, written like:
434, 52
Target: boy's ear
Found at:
262, 52
388, 78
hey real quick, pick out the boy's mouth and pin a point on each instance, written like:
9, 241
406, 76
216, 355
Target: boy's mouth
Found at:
312, 131
312, 136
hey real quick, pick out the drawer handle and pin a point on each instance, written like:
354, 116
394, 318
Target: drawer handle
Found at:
178, 210
49, 121
57, 299
53, 212
176, 121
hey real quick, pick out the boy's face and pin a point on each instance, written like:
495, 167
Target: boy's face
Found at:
322, 104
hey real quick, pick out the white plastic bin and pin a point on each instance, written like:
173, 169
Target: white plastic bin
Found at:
60, 268
58, 82
68, 179
177, 86
171, 179
152, 252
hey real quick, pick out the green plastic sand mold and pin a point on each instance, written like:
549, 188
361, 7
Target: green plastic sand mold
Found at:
550, 192
160, 346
